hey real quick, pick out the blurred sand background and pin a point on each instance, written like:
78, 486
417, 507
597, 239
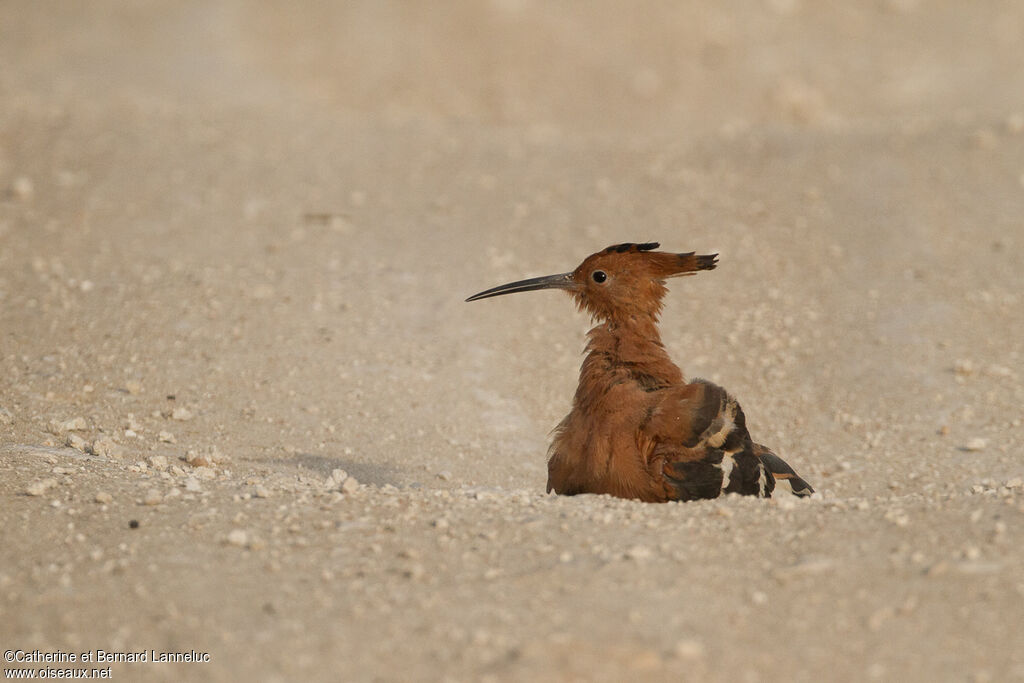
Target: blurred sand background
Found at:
235, 240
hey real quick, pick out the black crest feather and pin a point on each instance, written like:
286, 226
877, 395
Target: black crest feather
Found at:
628, 246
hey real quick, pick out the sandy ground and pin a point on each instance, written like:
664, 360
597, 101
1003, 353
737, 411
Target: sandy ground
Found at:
235, 240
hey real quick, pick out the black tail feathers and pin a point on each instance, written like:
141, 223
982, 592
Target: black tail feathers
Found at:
781, 470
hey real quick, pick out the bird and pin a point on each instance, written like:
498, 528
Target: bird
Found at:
637, 428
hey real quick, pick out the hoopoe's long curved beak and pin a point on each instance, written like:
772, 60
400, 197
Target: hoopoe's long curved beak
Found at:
560, 281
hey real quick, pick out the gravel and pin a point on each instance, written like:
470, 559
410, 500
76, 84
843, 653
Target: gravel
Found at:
256, 237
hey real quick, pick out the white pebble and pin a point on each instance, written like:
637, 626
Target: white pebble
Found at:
785, 503
74, 424
23, 188
976, 444
166, 437
181, 414
204, 473
337, 478
40, 486
689, 648
153, 497
103, 498
638, 552
76, 442
238, 537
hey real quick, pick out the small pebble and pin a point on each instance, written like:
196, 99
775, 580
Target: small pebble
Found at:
77, 442
350, 485
638, 552
192, 485
166, 437
963, 367
206, 459
153, 497
238, 537
181, 414
103, 446
689, 648
785, 503
444, 475
196, 459
337, 478
103, 498
23, 188
261, 491
40, 486
74, 424
204, 473
976, 444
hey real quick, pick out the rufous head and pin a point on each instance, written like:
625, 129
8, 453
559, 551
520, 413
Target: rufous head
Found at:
616, 284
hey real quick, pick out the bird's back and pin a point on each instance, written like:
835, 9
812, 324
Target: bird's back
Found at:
637, 429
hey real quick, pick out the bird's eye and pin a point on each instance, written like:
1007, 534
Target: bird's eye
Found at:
599, 276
